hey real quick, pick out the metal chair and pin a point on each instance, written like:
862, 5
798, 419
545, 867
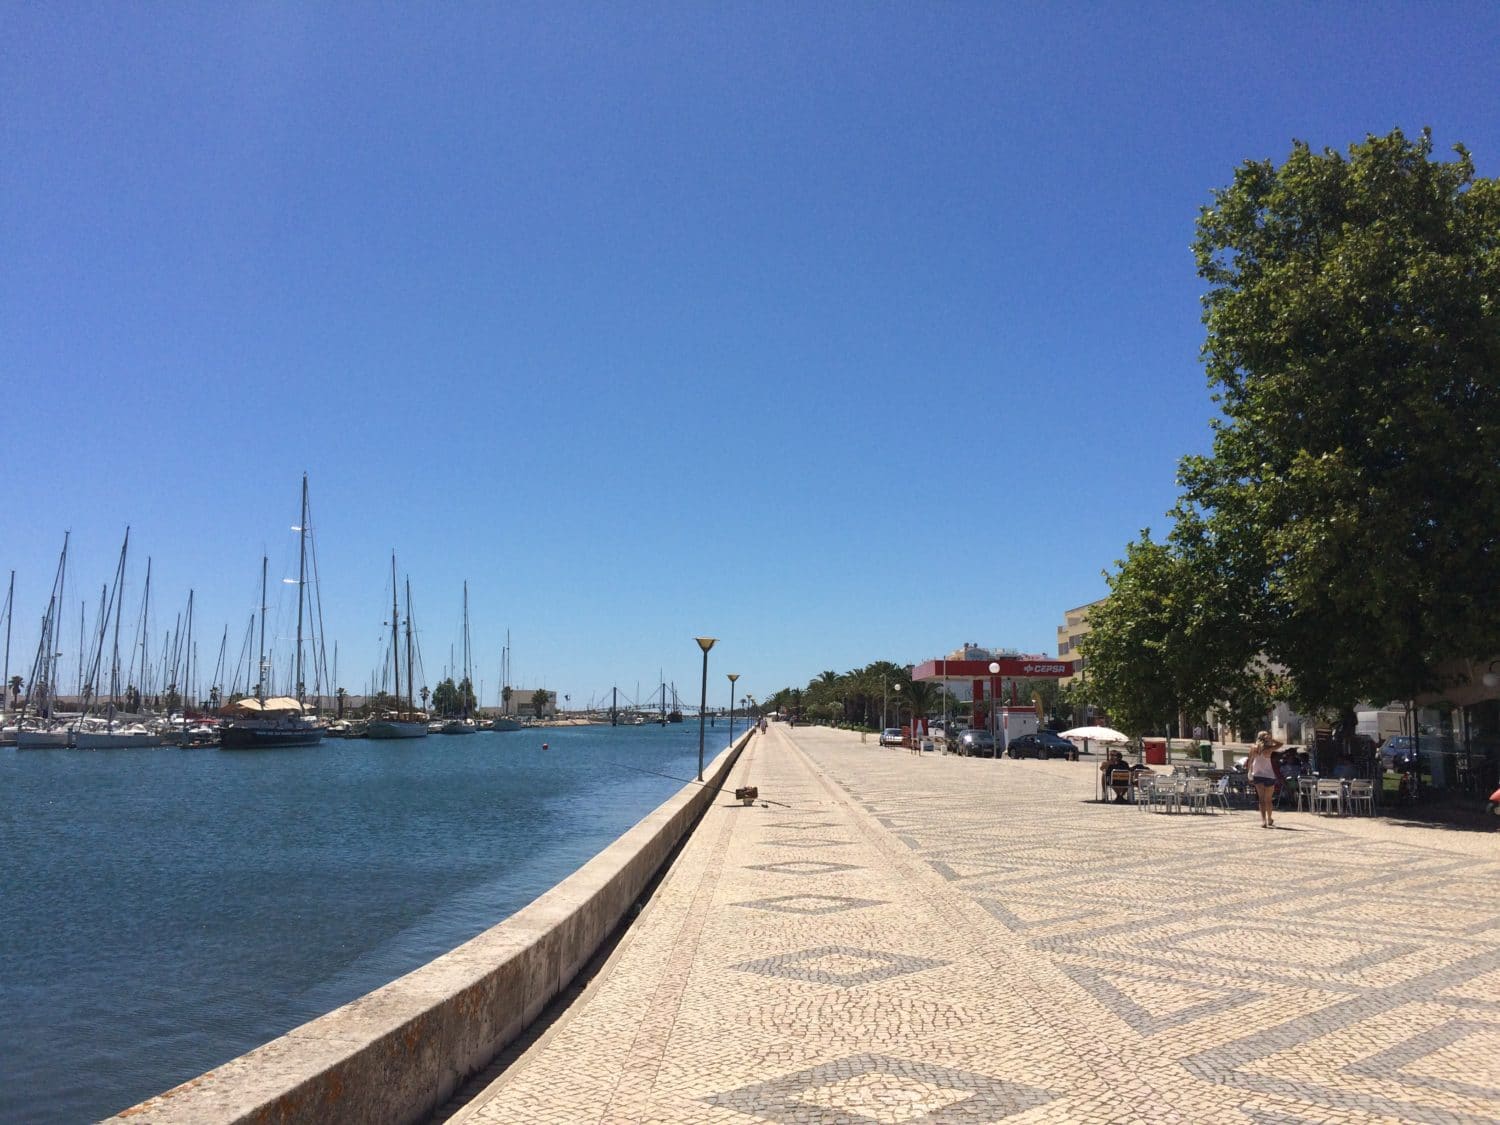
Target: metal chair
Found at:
1362, 793
1330, 791
1221, 791
1146, 790
1307, 788
1143, 785
1196, 794
1166, 792
1117, 777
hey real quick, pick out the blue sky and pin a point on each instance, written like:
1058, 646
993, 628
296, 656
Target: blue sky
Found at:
840, 332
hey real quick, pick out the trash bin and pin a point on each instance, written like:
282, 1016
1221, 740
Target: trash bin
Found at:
1155, 750
1206, 751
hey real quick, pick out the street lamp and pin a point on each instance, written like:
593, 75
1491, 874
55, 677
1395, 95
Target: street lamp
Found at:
994, 745
897, 689
705, 643
732, 677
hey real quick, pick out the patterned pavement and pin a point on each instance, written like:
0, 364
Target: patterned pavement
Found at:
894, 939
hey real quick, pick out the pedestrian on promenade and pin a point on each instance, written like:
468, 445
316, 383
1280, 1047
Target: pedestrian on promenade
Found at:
1261, 769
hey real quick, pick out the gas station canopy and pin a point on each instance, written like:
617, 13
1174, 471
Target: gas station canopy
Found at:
1011, 668
978, 673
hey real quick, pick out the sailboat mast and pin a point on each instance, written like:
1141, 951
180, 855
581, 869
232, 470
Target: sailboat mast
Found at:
395, 632
187, 672
411, 672
10, 605
301, 581
215, 689
81, 609
260, 683
41, 665
114, 656
146, 633
467, 687
62, 586
321, 682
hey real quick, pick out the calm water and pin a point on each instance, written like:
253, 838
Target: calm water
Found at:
162, 911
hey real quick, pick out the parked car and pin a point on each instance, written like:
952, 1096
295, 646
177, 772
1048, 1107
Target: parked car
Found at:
892, 736
1398, 752
977, 743
1043, 744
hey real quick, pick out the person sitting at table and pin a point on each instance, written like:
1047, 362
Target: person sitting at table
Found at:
1345, 770
1115, 770
1291, 767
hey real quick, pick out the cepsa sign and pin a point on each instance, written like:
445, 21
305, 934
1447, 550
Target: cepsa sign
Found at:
1056, 668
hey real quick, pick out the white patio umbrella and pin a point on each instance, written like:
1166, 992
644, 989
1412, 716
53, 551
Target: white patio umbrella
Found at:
1096, 734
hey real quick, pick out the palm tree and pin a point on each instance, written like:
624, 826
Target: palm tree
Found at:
922, 697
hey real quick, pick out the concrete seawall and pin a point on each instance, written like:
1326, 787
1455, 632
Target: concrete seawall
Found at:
397, 1054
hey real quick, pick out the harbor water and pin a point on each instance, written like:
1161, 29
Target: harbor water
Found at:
165, 910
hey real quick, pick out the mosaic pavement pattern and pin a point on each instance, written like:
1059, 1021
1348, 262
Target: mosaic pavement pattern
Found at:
903, 939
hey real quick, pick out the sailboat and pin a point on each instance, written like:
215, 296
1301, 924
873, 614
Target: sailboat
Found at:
36, 727
463, 724
99, 732
408, 723
503, 721
263, 723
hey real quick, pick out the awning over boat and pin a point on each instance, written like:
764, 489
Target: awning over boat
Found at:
279, 704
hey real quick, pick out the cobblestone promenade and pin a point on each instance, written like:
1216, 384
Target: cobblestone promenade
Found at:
918, 939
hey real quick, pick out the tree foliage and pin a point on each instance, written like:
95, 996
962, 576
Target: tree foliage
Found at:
1166, 643
868, 697
451, 699
1351, 501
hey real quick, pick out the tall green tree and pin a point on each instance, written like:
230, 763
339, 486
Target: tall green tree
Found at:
1167, 644
921, 698
1352, 495
450, 699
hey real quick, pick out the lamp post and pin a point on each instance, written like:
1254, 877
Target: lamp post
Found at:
947, 726
732, 677
897, 689
994, 745
705, 643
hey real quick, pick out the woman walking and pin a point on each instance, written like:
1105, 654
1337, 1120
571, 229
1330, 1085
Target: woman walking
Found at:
1261, 769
